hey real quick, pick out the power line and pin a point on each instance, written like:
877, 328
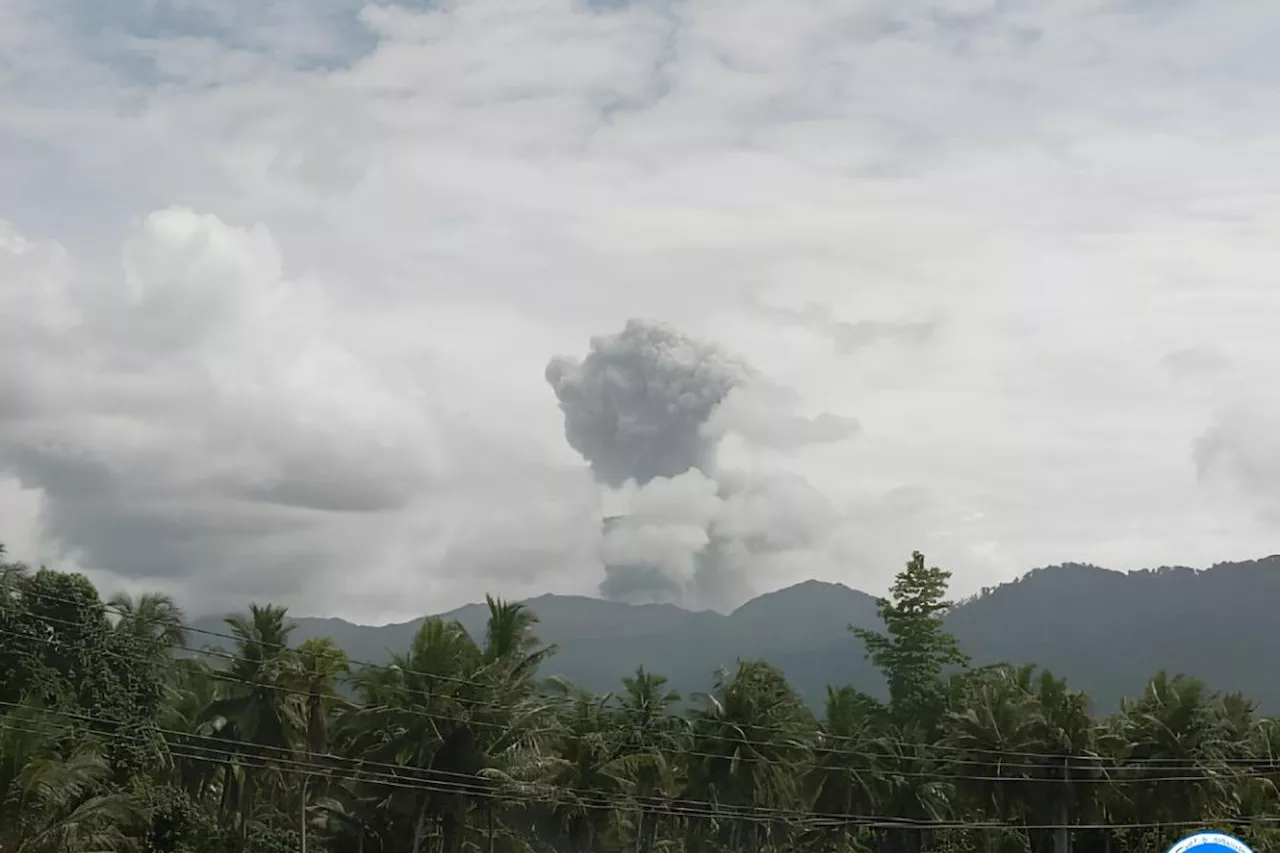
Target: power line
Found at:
556, 731
1095, 762
675, 807
1202, 777
721, 736
1082, 762
1201, 773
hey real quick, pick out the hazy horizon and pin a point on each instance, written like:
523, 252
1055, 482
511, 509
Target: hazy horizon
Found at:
195, 615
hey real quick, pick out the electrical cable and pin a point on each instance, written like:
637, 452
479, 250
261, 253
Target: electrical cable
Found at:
676, 809
1081, 762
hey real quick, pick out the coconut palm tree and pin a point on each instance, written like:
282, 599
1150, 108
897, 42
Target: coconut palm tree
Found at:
417, 713
153, 616
511, 642
754, 738
514, 716
998, 720
320, 666
848, 768
1074, 760
587, 774
185, 719
53, 801
255, 711
649, 743
1174, 723
914, 785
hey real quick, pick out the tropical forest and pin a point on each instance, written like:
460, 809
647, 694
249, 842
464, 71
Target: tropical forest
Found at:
123, 728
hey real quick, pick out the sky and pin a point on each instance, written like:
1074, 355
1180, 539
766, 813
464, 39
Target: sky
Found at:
371, 308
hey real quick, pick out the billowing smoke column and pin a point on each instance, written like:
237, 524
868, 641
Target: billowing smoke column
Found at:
647, 409
636, 406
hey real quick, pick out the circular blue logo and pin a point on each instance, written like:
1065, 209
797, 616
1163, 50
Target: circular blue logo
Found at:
1210, 842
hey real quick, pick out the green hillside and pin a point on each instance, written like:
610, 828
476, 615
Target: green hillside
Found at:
1106, 631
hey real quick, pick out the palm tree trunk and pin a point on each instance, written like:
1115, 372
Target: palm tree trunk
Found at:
450, 832
247, 791
488, 828
228, 793
302, 829
651, 831
1062, 835
420, 826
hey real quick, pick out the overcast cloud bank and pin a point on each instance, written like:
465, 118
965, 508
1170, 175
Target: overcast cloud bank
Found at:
280, 282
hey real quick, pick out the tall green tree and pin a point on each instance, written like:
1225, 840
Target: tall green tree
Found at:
850, 765
752, 741
55, 792
256, 714
915, 649
152, 616
650, 742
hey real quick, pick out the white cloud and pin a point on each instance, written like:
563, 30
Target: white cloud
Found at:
206, 420
282, 278
20, 515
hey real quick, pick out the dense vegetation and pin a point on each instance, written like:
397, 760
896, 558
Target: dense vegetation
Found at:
118, 733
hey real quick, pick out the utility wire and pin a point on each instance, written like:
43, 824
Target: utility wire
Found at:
1200, 774
1203, 776
1200, 770
1082, 762
675, 808
412, 778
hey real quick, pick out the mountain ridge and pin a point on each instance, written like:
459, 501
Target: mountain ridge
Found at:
1107, 631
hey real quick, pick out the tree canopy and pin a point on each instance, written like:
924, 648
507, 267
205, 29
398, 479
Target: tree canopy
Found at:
119, 733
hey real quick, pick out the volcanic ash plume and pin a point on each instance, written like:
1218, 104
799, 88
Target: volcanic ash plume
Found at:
647, 409
635, 407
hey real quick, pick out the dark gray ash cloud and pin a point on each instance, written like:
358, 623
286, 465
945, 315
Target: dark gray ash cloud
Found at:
647, 408
636, 405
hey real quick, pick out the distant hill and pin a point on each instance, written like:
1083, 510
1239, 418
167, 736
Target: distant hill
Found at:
1106, 631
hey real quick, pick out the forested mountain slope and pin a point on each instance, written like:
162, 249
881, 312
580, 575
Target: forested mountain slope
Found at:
1106, 631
